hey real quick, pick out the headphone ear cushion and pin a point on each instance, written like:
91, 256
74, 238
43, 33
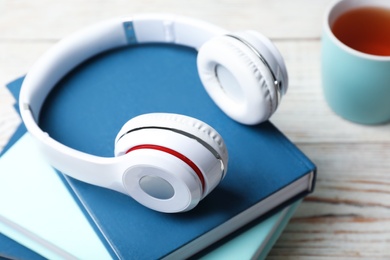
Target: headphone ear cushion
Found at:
270, 53
237, 80
183, 151
180, 123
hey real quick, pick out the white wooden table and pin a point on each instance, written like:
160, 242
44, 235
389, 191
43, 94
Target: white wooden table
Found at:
348, 215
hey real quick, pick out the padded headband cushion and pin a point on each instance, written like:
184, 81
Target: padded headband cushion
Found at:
106, 35
237, 80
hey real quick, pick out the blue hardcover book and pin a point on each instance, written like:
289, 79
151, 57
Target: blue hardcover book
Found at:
29, 216
88, 107
256, 241
9, 249
253, 243
54, 229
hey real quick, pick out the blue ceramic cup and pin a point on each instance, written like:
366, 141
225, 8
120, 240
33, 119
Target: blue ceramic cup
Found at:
356, 85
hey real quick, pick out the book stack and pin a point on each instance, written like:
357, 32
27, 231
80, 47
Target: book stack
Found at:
61, 218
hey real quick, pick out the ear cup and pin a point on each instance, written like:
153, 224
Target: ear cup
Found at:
239, 72
270, 53
179, 160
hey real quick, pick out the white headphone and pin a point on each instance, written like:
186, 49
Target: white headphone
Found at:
167, 162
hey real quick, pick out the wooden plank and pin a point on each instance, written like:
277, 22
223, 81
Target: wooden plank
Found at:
348, 215
304, 115
44, 19
17, 56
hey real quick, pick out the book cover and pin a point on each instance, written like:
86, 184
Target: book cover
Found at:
51, 230
10, 249
88, 107
256, 241
38, 210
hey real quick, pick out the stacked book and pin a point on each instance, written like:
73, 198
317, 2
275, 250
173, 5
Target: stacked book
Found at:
53, 216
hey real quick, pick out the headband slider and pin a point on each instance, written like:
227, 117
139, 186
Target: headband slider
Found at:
130, 32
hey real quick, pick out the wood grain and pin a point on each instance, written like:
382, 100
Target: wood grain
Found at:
348, 215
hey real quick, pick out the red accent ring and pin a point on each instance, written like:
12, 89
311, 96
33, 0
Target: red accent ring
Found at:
177, 155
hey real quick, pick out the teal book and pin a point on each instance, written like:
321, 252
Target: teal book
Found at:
62, 219
10, 249
86, 109
256, 241
38, 210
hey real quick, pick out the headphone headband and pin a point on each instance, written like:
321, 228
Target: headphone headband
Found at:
178, 159
72, 51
